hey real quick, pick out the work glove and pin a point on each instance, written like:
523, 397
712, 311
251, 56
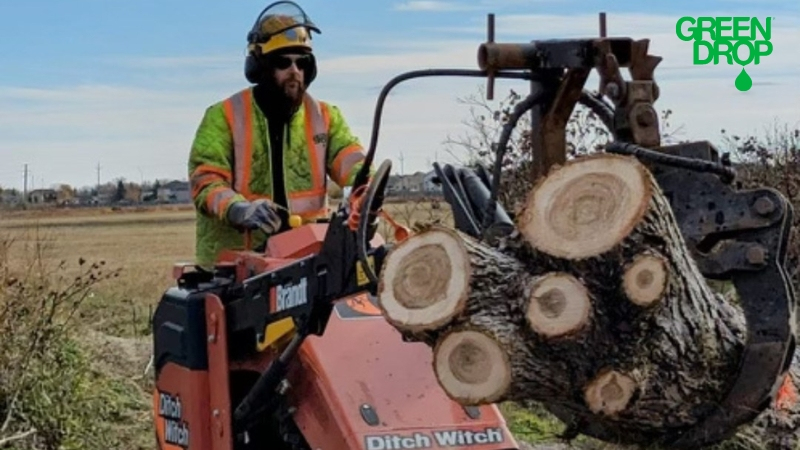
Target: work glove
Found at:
254, 215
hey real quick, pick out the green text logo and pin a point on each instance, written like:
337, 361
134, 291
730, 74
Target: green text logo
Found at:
739, 40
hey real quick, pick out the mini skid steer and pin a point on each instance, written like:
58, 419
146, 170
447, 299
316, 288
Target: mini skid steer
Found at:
285, 347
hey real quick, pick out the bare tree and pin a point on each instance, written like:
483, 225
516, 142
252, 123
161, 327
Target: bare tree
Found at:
585, 133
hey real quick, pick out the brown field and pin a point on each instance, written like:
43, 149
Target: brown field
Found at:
143, 243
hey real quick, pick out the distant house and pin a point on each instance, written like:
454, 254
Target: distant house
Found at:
10, 197
406, 183
43, 196
175, 192
419, 183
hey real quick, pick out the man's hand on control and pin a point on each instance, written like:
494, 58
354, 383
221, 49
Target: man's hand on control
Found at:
252, 215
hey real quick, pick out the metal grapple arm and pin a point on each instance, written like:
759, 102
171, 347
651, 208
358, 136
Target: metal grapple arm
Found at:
735, 235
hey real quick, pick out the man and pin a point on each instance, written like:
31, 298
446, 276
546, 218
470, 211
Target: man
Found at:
264, 153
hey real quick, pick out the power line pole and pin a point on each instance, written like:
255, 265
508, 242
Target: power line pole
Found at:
25, 186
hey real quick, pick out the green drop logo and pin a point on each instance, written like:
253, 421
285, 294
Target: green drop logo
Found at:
743, 81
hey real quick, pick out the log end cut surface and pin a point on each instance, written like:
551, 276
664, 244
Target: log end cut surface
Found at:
587, 206
472, 367
558, 304
609, 393
645, 279
424, 281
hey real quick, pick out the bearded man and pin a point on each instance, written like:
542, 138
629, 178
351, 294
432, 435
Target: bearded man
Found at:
265, 152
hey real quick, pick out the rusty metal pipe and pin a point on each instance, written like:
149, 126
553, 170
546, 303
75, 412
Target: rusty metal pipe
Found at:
494, 56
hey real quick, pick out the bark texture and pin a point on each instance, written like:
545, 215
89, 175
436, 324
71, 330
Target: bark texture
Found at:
593, 308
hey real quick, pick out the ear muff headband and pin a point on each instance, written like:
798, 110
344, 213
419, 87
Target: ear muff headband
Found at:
255, 67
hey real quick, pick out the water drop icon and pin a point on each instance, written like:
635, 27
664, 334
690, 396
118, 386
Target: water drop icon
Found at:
743, 81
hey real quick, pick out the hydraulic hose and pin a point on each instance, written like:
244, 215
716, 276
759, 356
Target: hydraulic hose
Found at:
727, 174
363, 174
520, 108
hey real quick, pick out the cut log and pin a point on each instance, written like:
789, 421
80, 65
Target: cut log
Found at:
610, 392
593, 308
479, 354
425, 282
558, 304
472, 367
438, 276
587, 207
645, 279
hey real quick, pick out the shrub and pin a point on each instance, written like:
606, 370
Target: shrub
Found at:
50, 397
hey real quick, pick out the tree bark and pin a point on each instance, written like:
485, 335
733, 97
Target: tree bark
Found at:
444, 288
594, 308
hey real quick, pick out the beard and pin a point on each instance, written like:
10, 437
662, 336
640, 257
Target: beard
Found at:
293, 89
280, 99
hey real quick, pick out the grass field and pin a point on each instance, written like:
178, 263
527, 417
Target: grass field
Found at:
144, 245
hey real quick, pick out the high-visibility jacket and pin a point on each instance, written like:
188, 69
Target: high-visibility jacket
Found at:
230, 162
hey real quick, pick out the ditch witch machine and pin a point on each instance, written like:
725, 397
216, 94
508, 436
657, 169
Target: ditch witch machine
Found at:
284, 347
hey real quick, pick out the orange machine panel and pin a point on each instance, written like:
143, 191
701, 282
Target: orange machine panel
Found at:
180, 402
298, 242
361, 371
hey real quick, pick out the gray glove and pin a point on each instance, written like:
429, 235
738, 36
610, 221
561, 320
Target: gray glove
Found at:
253, 215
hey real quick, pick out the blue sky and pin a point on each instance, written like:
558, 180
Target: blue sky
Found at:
124, 84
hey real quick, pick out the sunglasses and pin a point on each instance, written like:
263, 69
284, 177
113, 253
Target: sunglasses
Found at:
284, 62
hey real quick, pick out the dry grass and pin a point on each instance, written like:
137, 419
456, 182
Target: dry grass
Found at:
144, 244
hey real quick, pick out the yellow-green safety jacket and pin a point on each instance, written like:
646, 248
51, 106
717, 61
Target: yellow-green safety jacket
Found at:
230, 162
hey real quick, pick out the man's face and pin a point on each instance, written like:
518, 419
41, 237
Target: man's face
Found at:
290, 70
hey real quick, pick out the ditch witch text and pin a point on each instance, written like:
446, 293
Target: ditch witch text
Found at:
443, 438
175, 430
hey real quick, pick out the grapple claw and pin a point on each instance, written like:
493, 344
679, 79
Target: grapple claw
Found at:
740, 236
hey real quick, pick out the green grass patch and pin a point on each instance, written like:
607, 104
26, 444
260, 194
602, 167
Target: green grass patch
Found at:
532, 424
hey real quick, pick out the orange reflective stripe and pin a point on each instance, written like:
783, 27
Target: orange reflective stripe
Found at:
205, 175
198, 183
317, 140
248, 153
211, 197
218, 199
228, 108
345, 161
225, 200
326, 115
207, 168
239, 111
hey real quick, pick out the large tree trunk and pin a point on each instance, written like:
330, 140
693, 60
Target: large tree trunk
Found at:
594, 307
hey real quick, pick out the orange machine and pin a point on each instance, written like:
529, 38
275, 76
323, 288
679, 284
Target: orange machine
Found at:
286, 348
